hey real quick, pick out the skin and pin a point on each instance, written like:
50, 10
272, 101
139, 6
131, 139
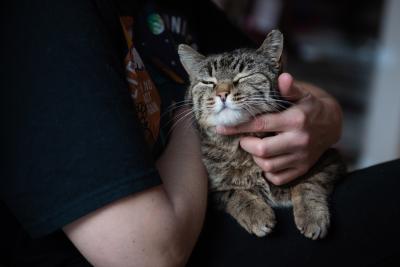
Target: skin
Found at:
156, 227
159, 226
304, 131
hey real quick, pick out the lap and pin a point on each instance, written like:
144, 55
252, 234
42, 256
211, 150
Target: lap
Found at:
365, 218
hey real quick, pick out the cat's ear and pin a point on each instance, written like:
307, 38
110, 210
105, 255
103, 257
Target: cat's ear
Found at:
190, 59
273, 45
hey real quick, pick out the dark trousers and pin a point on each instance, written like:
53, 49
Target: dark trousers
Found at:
364, 232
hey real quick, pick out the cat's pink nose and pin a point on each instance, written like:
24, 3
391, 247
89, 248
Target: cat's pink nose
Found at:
223, 95
222, 90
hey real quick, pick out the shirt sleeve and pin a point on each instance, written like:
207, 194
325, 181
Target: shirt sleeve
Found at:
70, 139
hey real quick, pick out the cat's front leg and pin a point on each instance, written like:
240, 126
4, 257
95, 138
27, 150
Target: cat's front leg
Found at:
310, 209
310, 195
250, 211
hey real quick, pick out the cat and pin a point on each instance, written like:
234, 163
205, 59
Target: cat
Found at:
232, 88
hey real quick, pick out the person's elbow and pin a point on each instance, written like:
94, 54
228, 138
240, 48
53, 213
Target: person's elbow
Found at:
174, 254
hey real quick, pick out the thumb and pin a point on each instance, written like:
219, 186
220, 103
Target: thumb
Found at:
289, 89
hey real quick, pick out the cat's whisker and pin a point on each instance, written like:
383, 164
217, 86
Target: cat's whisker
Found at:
176, 119
179, 119
276, 107
273, 107
245, 105
249, 110
190, 122
177, 116
279, 100
175, 106
279, 105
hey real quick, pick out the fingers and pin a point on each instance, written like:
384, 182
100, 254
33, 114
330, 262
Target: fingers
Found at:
264, 123
293, 118
282, 157
274, 145
285, 82
277, 164
284, 176
289, 89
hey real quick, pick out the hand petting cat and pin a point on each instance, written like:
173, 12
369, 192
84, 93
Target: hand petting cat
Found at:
303, 132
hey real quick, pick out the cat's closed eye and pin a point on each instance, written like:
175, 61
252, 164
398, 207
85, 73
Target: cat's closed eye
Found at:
254, 76
208, 83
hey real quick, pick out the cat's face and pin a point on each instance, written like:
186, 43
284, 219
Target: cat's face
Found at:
231, 88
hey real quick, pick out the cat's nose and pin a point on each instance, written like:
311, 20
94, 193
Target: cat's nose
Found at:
223, 90
223, 96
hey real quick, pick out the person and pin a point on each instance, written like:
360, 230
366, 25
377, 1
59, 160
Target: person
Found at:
90, 177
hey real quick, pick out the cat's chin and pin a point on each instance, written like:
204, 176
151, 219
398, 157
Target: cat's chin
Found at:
228, 117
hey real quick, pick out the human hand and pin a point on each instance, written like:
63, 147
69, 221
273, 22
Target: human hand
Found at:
303, 131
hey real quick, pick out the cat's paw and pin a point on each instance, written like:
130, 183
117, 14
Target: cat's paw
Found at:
313, 225
257, 218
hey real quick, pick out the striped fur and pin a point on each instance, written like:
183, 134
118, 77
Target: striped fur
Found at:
232, 88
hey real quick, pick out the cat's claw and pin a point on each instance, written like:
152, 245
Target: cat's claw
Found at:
315, 232
266, 229
258, 218
262, 231
313, 227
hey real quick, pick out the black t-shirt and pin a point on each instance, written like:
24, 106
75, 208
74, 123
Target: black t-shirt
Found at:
72, 139
73, 142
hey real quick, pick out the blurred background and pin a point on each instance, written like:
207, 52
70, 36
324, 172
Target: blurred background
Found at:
350, 49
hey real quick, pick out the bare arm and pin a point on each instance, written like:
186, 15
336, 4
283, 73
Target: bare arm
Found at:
157, 227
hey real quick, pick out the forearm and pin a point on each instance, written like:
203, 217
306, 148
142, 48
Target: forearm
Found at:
156, 227
185, 183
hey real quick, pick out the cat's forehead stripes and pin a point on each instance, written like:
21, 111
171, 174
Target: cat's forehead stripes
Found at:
210, 70
240, 75
214, 67
235, 63
226, 61
242, 65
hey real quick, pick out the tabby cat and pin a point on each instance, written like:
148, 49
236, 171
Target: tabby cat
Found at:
232, 88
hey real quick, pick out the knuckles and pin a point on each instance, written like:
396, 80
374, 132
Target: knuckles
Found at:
304, 140
259, 124
260, 150
299, 119
268, 166
276, 180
